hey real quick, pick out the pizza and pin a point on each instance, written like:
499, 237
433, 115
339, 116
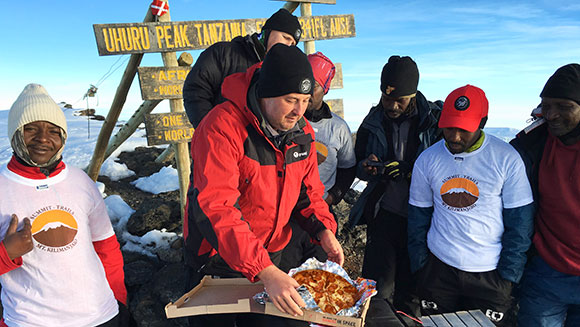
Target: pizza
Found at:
331, 292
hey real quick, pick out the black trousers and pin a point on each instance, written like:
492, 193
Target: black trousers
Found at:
443, 288
386, 261
381, 314
299, 249
218, 267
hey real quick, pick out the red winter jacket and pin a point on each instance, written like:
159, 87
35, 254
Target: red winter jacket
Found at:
243, 189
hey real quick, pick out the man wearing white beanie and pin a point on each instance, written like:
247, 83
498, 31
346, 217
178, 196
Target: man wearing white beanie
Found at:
60, 262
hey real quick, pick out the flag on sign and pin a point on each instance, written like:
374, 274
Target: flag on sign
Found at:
159, 7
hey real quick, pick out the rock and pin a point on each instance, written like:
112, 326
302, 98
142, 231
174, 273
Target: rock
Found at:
142, 161
86, 112
177, 244
169, 282
149, 311
98, 117
154, 214
170, 255
139, 272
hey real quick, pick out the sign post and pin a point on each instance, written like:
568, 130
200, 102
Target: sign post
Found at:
158, 83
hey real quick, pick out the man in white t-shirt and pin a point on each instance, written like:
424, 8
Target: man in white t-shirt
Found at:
470, 214
60, 262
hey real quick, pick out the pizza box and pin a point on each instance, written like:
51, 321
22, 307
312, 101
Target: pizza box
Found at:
235, 295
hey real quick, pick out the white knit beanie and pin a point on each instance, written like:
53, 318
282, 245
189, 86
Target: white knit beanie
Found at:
34, 104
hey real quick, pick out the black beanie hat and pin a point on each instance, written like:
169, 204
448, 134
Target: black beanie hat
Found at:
400, 77
284, 21
285, 70
564, 84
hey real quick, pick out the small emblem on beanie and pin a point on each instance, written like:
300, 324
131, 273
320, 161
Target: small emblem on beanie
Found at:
462, 103
297, 34
305, 86
494, 316
389, 89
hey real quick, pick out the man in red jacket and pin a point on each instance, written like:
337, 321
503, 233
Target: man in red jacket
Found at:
254, 167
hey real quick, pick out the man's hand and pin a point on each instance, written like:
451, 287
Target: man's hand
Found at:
370, 170
281, 289
18, 243
331, 246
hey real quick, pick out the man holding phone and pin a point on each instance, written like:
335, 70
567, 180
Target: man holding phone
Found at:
388, 141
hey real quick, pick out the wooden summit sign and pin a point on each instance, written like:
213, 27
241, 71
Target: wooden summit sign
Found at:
114, 39
336, 106
168, 128
158, 83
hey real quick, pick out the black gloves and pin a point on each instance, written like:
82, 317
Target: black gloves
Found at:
397, 170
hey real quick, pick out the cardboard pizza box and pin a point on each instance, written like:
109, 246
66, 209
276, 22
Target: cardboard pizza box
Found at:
234, 295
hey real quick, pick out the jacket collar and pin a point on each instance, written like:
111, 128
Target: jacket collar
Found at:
317, 115
374, 120
19, 168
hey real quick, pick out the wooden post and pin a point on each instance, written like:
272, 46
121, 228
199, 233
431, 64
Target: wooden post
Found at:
130, 127
306, 10
115, 110
166, 155
181, 151
185, 59
291, 6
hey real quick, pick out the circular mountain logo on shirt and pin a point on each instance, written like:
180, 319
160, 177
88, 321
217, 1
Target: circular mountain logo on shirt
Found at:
54, 228
459, 192
321, 152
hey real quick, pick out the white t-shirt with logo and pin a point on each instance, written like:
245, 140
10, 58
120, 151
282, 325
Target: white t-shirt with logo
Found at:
62, 281
468, 192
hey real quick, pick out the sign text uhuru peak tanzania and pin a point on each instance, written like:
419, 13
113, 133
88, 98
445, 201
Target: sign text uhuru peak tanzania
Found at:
188, 35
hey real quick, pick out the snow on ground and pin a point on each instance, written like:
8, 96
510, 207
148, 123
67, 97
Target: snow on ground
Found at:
166, 180
115, 170
79, 147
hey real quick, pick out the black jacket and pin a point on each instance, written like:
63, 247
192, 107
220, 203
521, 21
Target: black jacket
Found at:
202, 87
530, 146
372, 138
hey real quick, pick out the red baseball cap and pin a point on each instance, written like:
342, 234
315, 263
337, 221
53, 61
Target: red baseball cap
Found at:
323, 69
464, 108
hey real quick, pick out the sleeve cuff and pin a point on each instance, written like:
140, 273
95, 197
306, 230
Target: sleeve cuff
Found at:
262, 262
6, 264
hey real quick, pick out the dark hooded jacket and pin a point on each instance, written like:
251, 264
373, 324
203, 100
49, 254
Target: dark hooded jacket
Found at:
202, 87
372, 133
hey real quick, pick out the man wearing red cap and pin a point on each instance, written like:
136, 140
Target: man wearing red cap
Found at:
336, 159
550, 148
470, 214
202, 87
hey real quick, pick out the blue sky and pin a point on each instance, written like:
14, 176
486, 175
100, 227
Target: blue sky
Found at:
508, 48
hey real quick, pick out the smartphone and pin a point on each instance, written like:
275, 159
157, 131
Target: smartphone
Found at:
375, 163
